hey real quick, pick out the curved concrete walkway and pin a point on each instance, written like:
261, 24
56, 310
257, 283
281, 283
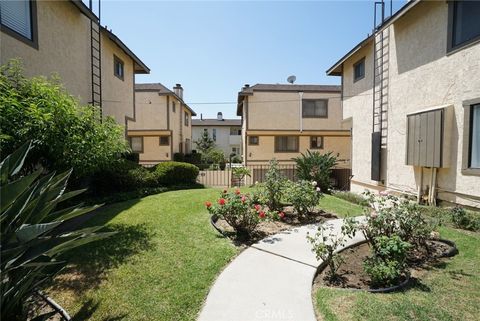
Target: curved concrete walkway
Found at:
271, 280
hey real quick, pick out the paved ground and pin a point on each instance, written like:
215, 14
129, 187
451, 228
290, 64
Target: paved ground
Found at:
271, 280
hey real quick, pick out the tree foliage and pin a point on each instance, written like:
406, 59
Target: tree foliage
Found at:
204, 143
64, 133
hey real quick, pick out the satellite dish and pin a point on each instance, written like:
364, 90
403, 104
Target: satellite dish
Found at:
291, 79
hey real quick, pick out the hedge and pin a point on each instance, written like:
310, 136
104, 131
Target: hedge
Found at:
171, 173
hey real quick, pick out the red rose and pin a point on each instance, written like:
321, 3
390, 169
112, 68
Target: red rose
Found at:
221, 201
261, 214
281, 215
208, 204
244, 199
257, 207
237, 191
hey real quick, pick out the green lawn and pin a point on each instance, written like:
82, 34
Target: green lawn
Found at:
159, 266
338, 206
448, 291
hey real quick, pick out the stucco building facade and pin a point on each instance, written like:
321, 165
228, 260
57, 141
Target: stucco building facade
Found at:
226, 133
65, 38
282, 121
162, 124
411, 92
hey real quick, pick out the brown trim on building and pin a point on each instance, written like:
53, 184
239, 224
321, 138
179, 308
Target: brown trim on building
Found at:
34, 28
293, 132
168, 112
148, 132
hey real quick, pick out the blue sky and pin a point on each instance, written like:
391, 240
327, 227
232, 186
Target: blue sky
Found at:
214, 48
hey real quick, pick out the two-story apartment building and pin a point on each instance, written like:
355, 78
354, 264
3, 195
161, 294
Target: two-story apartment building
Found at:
282, 121
162, 123
65, 38
226, 133
412, 93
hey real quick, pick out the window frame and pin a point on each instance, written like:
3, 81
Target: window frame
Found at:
276, 150
142, 143
33, 24
250, 140
313, 99
214, 134
451, 48
160, 140
467, 138
174, 108
186, 119
359, 62
316, 147
116, 60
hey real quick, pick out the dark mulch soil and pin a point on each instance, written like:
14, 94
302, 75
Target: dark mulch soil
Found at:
267, 228
352, 275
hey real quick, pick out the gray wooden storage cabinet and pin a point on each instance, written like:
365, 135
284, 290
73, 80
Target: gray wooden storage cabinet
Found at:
426, 138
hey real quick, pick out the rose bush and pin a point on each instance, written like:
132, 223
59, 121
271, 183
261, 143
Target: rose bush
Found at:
241, 211
303, 196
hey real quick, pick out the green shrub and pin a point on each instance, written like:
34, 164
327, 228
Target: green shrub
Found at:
388, 215
64, 134
171, 173
303, 195
462, 219
316, 167
351, 197
272, 190
34, 233
122, 176
388, 263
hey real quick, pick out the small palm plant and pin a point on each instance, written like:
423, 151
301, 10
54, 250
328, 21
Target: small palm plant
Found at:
314, 166
33, 232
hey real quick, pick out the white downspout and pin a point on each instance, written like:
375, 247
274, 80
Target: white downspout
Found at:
300, 94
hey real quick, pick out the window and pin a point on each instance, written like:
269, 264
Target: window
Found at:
359, 70
164, 140
118, 69
235, 131
252, 140
18, 19
236, 150
173, 106
214, 134
464, 27
315, 108
136, 144
316, 142
286, 144
474, 139
186, 118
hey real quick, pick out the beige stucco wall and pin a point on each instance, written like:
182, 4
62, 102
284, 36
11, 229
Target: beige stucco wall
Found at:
422, 75
265, 150
117, 94
63, 47
150, 111
282, 110
153, 153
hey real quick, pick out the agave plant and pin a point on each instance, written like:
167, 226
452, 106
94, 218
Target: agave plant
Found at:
33, 232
